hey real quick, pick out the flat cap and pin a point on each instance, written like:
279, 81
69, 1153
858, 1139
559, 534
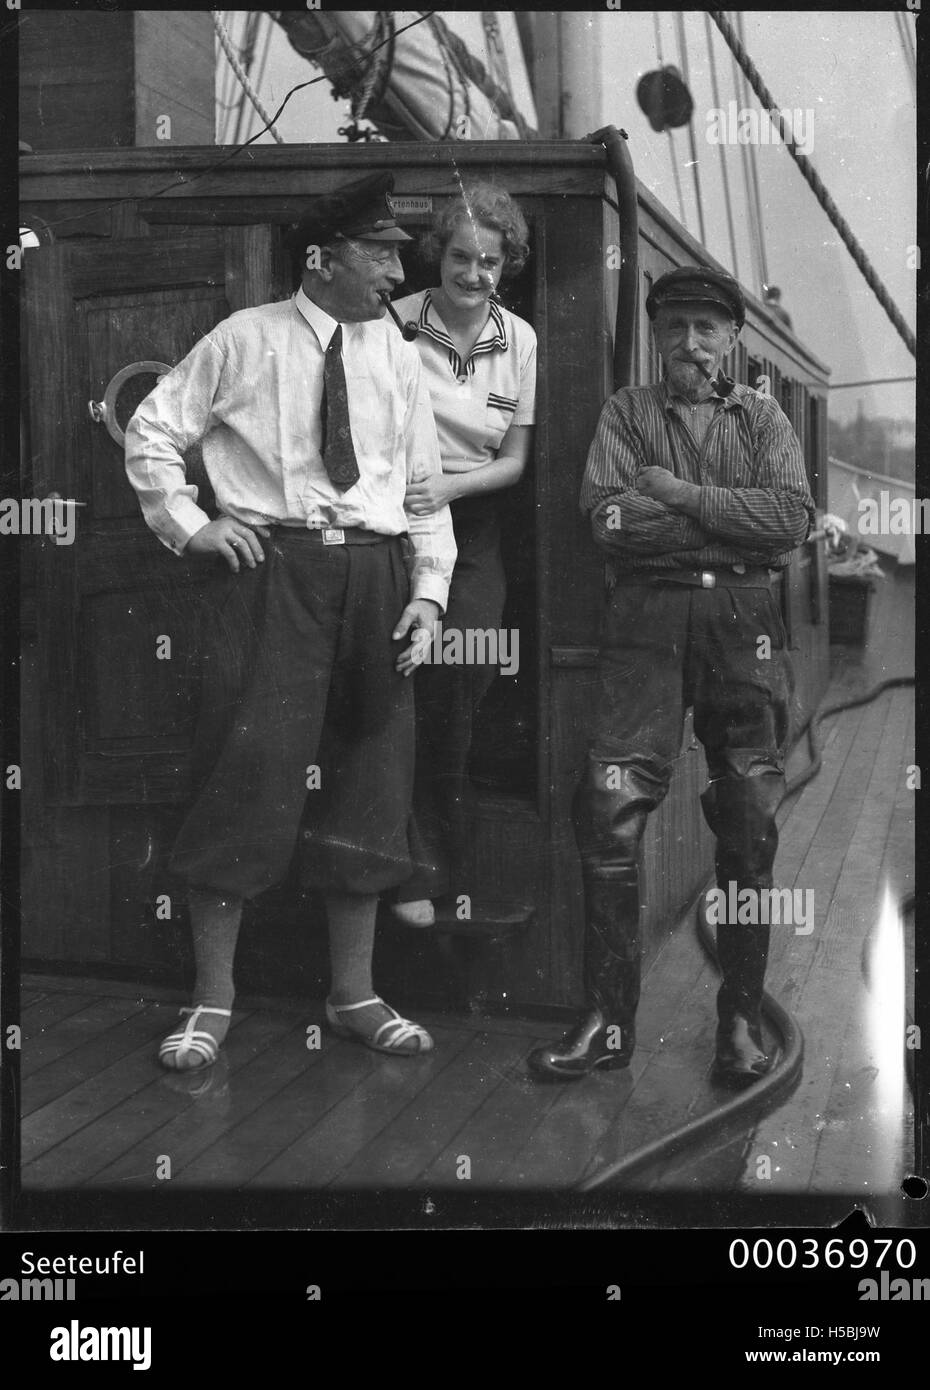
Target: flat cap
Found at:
698, 284
360, 209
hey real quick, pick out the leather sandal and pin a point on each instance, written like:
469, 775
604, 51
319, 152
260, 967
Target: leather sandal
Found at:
192, 1039
391, 1036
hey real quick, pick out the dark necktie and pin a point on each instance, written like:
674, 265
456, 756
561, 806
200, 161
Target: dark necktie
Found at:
338, 450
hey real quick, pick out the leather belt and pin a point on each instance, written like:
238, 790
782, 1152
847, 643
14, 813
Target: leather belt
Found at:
332, 535
724, 577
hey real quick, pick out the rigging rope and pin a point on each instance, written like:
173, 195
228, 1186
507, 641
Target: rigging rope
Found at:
226, 45
260, 67
739, 88
496, 53
815, 182
246, 55
723, 159
754, 171
668, 129
910, 60
658, 28
378, 72
228, 89
683, 50
450, 88
474, 71
454, 70
681, 196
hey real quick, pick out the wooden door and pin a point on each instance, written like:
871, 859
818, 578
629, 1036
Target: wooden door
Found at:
114, 715
117, 716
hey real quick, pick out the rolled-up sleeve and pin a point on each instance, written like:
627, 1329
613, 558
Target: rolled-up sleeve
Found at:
432, 538
177, 414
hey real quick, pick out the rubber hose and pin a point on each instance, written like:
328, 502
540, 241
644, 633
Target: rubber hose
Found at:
782, 1078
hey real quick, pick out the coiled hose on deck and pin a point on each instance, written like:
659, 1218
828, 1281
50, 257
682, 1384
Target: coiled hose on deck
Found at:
762, 1095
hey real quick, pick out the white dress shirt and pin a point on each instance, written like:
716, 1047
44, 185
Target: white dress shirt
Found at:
250, 392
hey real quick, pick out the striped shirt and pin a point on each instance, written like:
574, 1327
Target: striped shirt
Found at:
755, 505
477, 400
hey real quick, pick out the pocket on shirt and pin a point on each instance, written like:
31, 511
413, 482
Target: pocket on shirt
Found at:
498, 418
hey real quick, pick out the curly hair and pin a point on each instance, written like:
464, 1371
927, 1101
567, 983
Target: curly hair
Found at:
488, 205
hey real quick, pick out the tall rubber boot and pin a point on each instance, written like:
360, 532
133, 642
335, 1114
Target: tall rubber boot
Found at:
743, 954
605, 1036
741, 813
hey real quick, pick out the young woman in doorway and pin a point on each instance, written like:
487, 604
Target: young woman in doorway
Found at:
480, 364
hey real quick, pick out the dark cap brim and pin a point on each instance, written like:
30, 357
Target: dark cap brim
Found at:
704, 298
386, 234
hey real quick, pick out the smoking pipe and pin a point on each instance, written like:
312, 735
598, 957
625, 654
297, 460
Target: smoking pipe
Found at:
721, 383
408, 329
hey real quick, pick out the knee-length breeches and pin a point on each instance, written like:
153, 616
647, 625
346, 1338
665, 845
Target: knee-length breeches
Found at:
668, 646
297, 648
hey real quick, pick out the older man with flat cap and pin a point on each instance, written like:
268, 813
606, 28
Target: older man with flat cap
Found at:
696, 492
314, 420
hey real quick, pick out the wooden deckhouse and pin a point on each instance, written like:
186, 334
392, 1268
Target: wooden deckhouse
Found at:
142, 250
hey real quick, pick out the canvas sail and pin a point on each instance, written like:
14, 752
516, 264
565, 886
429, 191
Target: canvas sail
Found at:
426, 83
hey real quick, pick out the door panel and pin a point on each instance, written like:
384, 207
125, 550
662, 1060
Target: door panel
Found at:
117, 717
115, 330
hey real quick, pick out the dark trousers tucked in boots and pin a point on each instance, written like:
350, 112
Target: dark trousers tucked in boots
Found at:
610, 810
606, 1035
666, 647
741, 813
742, 954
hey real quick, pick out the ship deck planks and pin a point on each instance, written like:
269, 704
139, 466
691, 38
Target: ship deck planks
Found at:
275, 1113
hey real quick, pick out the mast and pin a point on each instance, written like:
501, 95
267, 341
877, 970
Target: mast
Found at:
567, 81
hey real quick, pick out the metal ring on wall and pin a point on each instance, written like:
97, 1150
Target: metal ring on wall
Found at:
104, 412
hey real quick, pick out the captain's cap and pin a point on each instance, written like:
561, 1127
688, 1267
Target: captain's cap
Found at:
696, 284
360, 209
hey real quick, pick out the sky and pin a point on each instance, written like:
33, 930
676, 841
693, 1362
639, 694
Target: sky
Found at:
847, 69
844, 71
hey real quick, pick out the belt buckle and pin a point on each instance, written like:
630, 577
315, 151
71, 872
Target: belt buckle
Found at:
708, 579
333, 535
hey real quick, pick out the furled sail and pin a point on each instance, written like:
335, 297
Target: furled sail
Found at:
423, 83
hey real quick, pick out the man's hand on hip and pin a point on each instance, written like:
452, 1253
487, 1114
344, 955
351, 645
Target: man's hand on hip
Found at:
230, 538
417, 619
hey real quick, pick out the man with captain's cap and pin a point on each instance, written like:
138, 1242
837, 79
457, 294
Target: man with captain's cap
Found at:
313, 420
696, 492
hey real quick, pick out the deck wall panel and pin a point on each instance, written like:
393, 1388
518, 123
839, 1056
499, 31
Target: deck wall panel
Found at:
526, 851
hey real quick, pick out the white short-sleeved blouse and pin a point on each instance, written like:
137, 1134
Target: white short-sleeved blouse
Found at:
475, 402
